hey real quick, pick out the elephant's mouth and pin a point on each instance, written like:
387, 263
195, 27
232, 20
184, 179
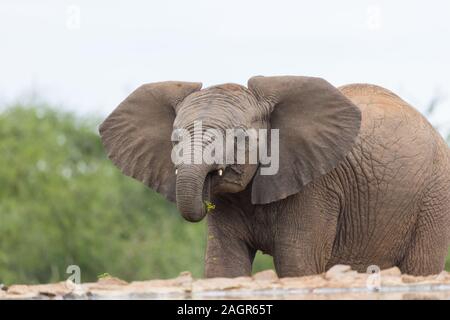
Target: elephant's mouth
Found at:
195, 195
206, 194
230, 182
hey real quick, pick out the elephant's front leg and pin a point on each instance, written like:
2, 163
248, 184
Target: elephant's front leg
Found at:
305, 232
227, 254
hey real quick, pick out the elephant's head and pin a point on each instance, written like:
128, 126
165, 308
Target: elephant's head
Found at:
317, 128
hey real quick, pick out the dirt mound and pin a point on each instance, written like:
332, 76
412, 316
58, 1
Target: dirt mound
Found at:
340, 282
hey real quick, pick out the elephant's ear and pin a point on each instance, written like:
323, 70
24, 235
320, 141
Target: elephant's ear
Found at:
137, 134
317, 129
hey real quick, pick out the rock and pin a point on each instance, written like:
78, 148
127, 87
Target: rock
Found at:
406, 278
443, 277
50, 290
153, 288
77, 295
307, 282
391, 281
19, 289
157, 287
350, 279
107, 287
183, 281
21, 293
111, 281
339, 271
105, 284
394, 271
342, 276
267, 275
221, 284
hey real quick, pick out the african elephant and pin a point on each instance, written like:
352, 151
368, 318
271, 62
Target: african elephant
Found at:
363, 178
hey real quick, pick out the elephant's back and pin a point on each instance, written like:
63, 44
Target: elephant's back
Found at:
392, 123
391, 166
386, 118
380, 104
365, 93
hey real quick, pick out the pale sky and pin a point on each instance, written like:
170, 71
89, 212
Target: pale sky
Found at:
87, 56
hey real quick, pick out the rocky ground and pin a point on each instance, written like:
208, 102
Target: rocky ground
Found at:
340, 282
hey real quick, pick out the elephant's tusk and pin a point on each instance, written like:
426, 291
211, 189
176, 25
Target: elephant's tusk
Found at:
220, 172
176, 171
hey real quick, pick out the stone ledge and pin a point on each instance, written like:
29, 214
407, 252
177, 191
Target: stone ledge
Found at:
340, 282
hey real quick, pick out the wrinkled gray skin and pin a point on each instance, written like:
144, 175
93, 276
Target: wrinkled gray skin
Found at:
364, 179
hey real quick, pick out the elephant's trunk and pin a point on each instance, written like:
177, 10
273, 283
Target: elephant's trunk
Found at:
190, 191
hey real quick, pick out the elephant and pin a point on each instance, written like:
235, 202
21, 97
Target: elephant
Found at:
363, 178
